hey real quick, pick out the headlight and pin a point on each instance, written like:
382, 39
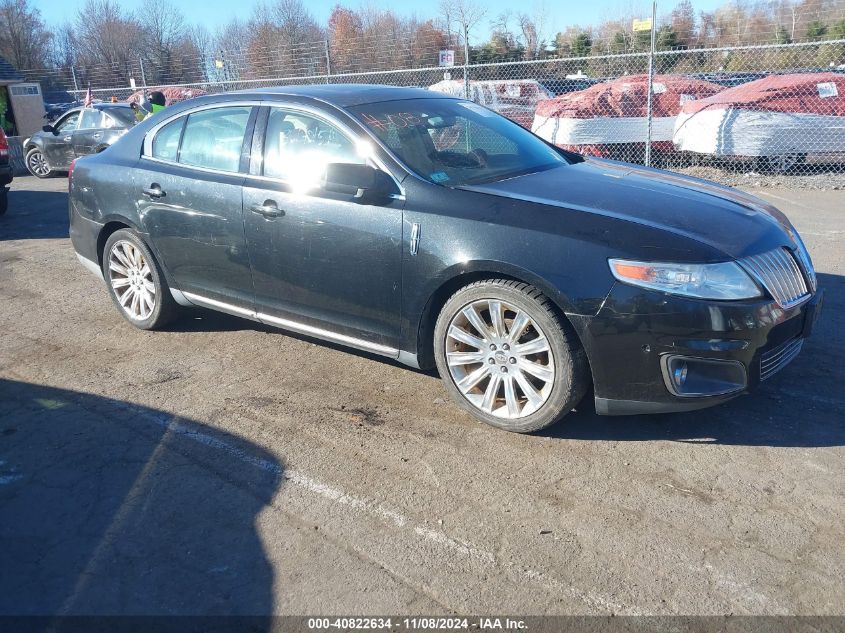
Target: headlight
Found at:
703, 281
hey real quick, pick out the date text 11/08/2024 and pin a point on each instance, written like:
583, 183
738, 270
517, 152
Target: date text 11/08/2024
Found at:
422, 623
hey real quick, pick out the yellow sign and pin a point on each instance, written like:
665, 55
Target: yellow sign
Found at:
642, 25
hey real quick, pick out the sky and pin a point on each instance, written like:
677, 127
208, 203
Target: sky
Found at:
559, 13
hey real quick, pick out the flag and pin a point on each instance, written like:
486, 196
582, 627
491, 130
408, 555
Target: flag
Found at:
89, 99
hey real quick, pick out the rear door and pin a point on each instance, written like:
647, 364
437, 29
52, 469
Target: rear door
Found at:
188, 187
322, 263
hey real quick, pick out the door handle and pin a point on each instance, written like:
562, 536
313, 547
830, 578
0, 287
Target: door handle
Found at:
98, 135
154, 191
269, 209
66, 139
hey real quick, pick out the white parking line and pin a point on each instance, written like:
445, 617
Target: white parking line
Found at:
387, 515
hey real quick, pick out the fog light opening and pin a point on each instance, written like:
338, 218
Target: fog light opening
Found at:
680, 375
690, 377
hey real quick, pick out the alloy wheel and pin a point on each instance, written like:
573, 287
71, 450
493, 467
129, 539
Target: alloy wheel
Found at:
783, 163
499, 358
131, 280
38, 164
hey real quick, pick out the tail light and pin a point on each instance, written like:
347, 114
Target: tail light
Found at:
4, 144
70, 172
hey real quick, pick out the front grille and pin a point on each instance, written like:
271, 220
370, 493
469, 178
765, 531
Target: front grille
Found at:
779, 273
774, 360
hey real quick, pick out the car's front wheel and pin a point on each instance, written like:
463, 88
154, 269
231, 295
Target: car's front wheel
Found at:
508, 357
37, 164
136, 283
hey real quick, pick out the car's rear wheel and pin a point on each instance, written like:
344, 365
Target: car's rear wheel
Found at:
783, 163
508, 357
136, 283
37, 164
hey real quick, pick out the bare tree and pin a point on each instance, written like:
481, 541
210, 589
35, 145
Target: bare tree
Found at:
24, 40
104, 38
462, 16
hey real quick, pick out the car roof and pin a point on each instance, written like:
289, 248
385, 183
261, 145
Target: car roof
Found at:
108, 106
344, 95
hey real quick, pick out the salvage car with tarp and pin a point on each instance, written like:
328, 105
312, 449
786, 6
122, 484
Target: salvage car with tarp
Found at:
516, 100
610, 119
172, 94
779, 121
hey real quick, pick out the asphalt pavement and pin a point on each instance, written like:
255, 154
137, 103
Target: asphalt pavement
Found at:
222, 466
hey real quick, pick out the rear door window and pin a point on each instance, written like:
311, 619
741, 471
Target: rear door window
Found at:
91, 119
213, 139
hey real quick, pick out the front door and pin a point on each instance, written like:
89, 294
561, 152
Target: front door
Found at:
58, 146
189, 193
88, 133
319, 260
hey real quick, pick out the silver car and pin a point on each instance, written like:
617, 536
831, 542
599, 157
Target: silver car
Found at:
78, 132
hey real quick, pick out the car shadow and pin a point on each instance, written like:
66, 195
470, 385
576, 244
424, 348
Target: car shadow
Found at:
801, 406
35, 215
111, 508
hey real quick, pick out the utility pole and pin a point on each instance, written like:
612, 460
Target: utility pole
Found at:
466, 60
328, 61
650, 102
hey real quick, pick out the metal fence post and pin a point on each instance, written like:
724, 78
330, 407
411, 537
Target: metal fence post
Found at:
650, 103
328, 61
466, 61
143, 76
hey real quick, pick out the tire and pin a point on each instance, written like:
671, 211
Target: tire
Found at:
535, 388
4, 200
131, 271
782, 163
37, 164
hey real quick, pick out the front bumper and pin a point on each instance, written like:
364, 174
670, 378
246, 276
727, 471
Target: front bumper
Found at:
630, 339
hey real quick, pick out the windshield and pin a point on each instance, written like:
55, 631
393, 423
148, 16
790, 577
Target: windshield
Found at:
454, 143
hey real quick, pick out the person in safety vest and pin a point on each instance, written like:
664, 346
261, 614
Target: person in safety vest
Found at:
150, 105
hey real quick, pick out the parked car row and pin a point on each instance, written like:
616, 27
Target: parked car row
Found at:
775, 121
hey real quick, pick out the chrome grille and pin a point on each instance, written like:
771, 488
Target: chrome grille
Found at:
776, 359
780, 274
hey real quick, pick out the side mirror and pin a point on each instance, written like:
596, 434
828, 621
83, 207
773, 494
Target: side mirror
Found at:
49, 129
362, 182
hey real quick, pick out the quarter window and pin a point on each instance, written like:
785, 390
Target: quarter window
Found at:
166, 142
297, 147
213, 138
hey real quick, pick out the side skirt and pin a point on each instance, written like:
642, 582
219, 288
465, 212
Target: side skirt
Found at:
300, 328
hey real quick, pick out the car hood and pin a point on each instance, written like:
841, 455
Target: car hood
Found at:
725, 219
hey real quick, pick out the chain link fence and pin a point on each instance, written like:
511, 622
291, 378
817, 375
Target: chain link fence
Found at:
719, 112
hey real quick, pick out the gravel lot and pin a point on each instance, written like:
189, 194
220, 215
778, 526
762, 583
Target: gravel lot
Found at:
224, 467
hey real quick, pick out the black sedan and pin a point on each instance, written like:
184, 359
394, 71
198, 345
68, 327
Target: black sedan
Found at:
77, 133
431, 230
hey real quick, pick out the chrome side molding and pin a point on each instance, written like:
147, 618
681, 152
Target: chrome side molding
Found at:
293, 326
415, 238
